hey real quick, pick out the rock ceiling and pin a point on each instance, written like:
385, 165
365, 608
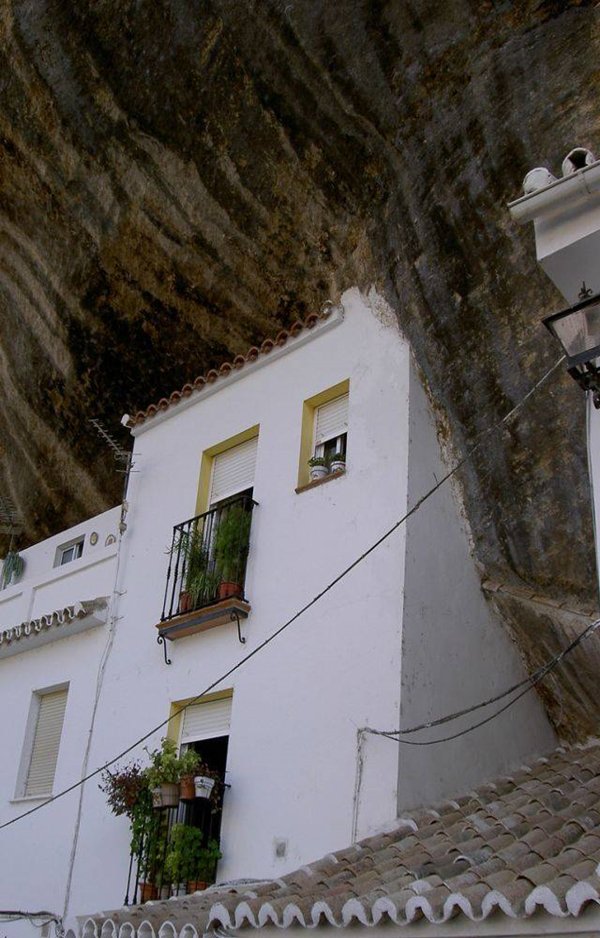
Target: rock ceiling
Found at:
179, 179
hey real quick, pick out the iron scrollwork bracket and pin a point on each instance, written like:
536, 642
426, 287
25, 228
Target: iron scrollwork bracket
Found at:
162, 641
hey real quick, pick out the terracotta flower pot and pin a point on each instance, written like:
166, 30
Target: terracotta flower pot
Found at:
148, 892
196, 885
187, 789
185, 602
227, 589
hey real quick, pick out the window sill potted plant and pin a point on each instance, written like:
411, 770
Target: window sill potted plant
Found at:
318, 468
205, 867
164, 774
337, 462
232, 542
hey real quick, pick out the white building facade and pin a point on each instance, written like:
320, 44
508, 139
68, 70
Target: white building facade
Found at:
388, 645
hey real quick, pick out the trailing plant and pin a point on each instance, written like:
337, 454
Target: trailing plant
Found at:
127, 792
232, 542
12, 568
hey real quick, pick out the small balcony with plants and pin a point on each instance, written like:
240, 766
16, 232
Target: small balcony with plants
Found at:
206, 576
174, 810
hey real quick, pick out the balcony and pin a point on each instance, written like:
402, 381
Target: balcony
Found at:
207, 570
174, 850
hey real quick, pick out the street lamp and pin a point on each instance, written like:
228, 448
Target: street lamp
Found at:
578, 331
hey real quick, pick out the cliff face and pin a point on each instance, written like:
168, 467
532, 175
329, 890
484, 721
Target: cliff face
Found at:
178, 179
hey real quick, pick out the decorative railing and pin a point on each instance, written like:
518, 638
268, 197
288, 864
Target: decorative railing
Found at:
207, 559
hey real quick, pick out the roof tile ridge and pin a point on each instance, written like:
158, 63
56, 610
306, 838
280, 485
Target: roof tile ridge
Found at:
238, 362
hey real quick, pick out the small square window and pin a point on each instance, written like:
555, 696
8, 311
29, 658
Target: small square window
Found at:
68, 552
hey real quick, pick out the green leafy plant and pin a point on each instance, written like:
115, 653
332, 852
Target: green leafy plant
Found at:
337, 457
166, 767
317, 461
184, 853
200, 579
12, 568
232, 542
207, 866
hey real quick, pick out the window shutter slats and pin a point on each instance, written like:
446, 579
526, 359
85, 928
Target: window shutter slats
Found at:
233, 470
331, 419
46, 742
206, 720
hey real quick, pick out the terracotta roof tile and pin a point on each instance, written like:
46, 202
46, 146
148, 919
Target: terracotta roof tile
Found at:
472, 857
227, 368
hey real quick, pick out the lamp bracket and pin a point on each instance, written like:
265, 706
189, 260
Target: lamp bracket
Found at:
587, 377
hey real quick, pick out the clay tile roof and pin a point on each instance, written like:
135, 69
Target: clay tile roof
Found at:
227, 367
431, 866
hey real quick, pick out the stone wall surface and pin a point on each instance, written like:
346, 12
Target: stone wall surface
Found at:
179, 179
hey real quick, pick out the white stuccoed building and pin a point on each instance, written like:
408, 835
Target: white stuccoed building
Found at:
405, 636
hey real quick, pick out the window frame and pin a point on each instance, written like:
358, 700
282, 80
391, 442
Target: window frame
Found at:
63, 549
29, 740
308, 447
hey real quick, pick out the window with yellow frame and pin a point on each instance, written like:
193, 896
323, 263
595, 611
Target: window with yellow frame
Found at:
324, 427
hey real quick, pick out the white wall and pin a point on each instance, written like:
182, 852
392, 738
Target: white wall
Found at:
455, 652
298, 703
36, 850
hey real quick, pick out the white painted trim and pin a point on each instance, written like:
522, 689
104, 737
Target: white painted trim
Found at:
307, 335
562, 193
497, 926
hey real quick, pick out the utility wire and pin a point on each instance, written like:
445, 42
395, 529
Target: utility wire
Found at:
267, 641
531, 682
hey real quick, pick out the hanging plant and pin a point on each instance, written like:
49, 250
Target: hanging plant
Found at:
12, 569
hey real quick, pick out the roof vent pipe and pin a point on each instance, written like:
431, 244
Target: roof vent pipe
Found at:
578, 158
537, 178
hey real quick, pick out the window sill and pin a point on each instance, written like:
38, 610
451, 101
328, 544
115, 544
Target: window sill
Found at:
222, 612
24, 798
317, 482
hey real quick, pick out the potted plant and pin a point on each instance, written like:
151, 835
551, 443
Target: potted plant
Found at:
164, 774
232, 541
190, 765
318, 467
205, 867
184, 856
12, 569
200, 582
337, 463
128, 793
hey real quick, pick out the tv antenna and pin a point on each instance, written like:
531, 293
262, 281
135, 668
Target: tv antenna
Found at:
121, 455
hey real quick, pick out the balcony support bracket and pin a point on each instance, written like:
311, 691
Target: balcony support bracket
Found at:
235, 617
162, 641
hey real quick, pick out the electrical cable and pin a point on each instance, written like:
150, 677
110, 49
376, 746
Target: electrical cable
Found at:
531, 682
270, 638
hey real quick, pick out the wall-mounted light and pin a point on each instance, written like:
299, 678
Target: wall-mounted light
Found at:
578, 331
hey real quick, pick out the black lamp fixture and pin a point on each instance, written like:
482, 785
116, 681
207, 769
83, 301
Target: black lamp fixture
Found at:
578, 331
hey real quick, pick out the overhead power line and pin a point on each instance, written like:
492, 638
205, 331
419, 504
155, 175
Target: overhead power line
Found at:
528, 683
282, 628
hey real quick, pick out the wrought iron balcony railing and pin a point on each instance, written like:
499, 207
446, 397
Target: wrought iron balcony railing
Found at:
207, 559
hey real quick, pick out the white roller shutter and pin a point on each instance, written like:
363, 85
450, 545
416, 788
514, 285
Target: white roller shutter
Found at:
46, 741
233, 470
206, 720
331, 419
